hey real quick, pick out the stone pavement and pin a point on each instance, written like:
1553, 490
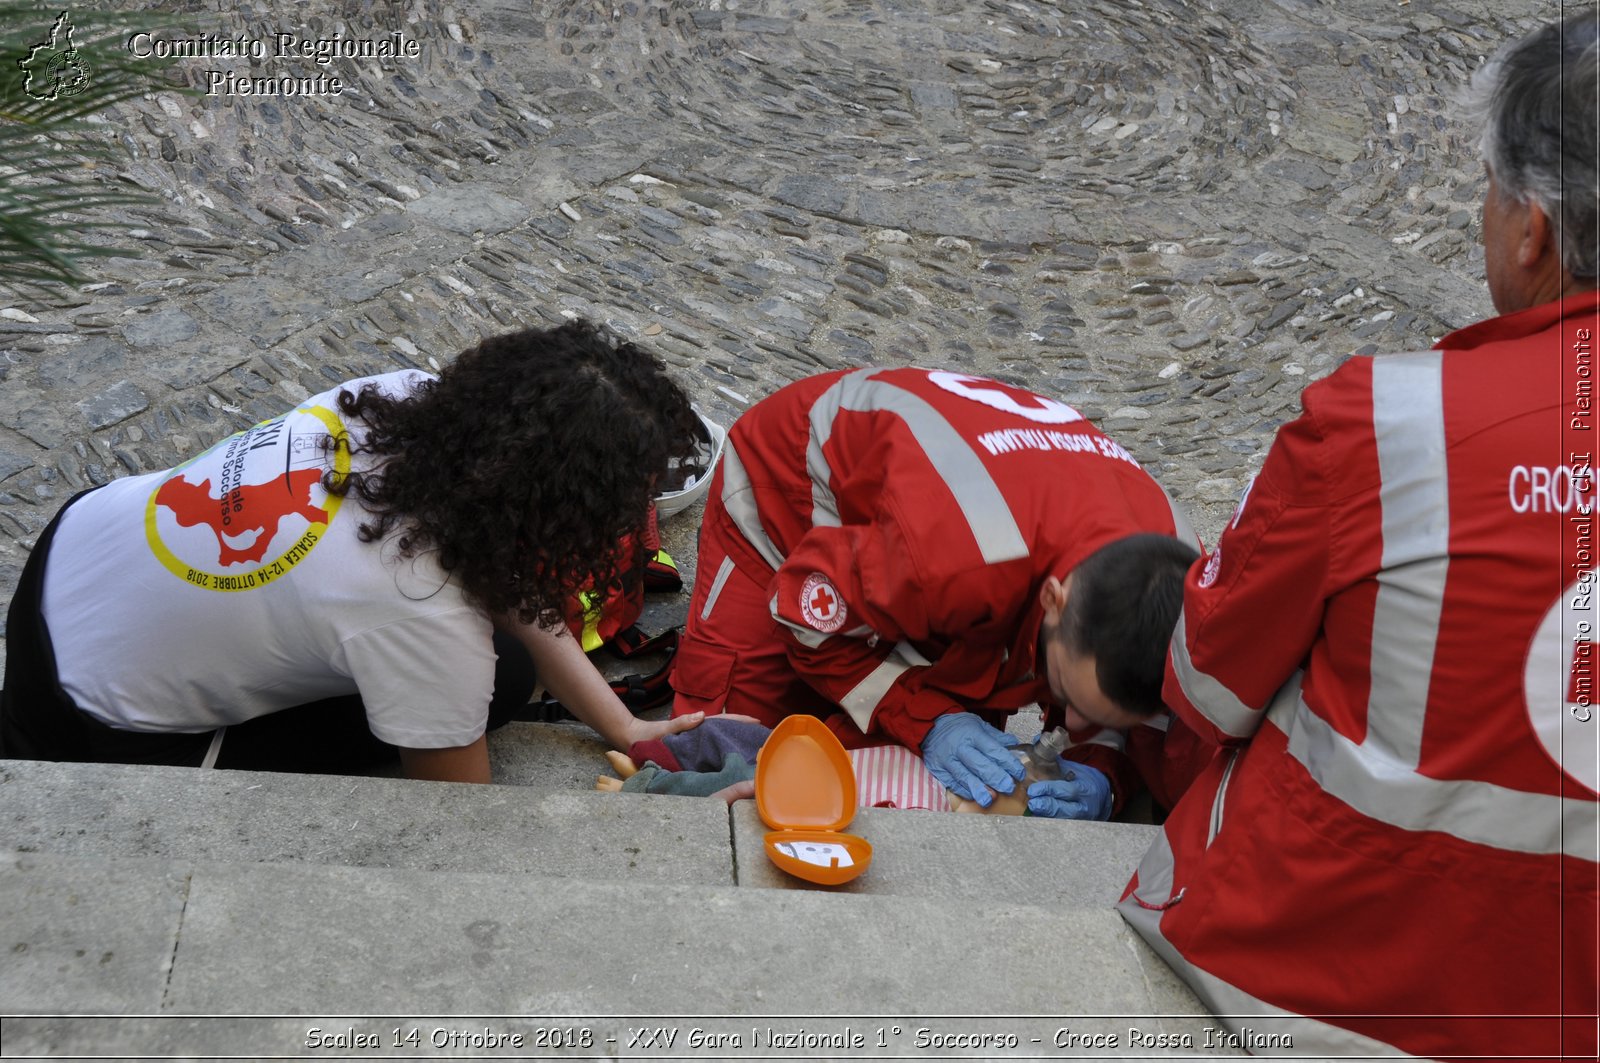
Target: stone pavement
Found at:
1171, 214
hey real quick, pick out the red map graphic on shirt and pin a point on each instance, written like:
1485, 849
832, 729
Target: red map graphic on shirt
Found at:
248, 508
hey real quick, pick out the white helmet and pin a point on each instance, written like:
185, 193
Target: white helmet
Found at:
693, 473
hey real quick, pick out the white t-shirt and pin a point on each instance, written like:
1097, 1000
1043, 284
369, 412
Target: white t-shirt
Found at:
234, 586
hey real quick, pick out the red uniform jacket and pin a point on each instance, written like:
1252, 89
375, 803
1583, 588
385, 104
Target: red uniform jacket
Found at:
911, 518
1397, 628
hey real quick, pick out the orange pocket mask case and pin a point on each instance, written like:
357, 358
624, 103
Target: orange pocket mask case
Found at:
806, 792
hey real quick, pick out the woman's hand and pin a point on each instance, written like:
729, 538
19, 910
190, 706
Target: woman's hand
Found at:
650, 730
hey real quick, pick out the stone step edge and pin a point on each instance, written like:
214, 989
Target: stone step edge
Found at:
153, 937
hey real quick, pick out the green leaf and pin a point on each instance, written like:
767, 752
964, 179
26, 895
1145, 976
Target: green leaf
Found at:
58, 164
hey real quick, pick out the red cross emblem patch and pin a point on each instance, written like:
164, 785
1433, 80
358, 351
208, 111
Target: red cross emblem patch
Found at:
820, 603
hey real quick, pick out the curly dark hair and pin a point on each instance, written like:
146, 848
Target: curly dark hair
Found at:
523, 465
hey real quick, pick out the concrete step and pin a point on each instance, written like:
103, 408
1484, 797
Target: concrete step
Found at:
233, 816
170, 937
238, 816
144, 894
547, 756
915, 853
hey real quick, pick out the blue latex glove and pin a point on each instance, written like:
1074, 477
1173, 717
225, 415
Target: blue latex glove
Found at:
1085, 793
971, 758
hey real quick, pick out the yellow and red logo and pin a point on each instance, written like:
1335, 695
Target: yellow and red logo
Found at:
252, 507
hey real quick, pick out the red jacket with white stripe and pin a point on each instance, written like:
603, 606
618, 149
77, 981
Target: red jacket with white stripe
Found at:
911, 517
1397, 627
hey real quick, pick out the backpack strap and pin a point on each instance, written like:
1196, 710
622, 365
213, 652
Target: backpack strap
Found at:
631, 642
639, 692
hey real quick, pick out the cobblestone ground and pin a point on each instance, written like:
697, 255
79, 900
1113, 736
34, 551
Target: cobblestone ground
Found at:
1171, 214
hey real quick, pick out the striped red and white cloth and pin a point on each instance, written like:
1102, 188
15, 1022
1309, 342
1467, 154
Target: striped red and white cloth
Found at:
894, 777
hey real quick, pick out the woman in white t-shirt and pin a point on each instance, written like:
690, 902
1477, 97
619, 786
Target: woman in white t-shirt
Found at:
382, 568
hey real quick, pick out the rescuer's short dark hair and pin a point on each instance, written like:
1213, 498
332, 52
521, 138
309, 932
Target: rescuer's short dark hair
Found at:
1123, 606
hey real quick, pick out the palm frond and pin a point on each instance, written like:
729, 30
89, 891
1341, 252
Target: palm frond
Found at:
52, 159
